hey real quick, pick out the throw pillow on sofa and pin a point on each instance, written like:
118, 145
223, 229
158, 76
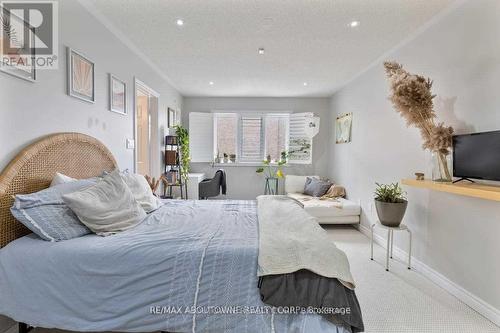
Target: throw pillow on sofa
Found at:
316, 187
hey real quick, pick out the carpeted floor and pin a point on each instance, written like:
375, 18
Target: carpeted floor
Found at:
402, 300
397, 301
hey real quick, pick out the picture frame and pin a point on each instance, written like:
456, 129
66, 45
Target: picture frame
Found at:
81, 76
28, 72
117, 95
343, 128
171, 118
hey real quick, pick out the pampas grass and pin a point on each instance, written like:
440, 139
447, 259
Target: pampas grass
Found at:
411, 96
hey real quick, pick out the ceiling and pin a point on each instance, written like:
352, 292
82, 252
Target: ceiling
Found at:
304, 40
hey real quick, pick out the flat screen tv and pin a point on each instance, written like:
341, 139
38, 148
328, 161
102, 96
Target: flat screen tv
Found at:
477, 156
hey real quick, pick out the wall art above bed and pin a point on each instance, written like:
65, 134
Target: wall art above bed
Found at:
81, 76
117, 95
343, 127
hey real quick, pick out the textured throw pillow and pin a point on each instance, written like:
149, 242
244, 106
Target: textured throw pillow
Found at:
141, 191
59, 179
107, 207
316, 187
46, 214
335, 191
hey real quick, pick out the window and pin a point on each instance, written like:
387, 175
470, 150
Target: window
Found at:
226, 125
251, 137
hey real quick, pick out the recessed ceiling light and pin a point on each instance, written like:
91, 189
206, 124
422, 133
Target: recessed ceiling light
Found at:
305, 84
262, 51
211, 83
179, 22
354, 24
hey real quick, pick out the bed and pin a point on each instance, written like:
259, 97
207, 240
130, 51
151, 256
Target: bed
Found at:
189, 267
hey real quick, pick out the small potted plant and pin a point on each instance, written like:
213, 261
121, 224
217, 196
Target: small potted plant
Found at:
391, 203
226, 158
232, 158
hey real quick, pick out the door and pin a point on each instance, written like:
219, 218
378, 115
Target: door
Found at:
146, 111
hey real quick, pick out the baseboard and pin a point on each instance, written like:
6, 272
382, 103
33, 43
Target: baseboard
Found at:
483, 308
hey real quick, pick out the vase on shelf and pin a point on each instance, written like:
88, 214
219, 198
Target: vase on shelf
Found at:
442, 167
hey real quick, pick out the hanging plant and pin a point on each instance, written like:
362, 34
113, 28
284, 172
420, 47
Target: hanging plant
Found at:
183, 140
412, 97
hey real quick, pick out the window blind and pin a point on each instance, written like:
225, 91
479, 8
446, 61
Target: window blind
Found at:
201, 136
251, 139
300, 144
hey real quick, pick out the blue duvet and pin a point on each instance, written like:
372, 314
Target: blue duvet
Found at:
189, 267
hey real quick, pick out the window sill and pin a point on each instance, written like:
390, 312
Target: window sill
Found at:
249, 164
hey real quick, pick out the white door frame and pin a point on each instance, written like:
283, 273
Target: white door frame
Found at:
138, 84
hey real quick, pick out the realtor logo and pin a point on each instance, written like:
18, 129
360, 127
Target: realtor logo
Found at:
29, 34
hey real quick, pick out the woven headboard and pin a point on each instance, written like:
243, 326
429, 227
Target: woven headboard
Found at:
73, 154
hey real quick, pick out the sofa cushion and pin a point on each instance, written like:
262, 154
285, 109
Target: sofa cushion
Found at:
327, 208
316, 187
295, 184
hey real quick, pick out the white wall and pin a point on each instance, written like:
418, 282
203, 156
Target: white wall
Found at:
30, 110
456, 236
243, 182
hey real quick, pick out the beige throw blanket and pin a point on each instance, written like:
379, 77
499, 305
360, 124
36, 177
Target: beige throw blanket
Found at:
290, 239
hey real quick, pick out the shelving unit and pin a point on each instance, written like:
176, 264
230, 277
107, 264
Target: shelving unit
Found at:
482, 191
172, 165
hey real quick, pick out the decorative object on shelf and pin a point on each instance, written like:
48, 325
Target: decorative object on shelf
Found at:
419, 175
343, 128
81, 76
153, 183
232, 158
273, 172
226, 158
412, 97
391, 203
117, 95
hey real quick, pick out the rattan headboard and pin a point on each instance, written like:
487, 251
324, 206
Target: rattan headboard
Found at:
73, 154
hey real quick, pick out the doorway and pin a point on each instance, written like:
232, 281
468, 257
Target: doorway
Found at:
146, 125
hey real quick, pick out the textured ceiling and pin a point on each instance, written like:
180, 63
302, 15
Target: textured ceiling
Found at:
305, 41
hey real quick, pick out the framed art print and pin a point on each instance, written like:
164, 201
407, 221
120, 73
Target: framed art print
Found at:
343, 128
117, 95
17, 59
171, 121
81, 76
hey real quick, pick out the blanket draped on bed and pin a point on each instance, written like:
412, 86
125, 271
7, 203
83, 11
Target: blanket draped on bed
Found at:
290, 240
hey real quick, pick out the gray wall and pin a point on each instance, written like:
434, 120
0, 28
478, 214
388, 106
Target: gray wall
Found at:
30, 110
456, 236
243, 182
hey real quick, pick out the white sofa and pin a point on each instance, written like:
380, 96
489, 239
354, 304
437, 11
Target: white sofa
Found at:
329, 211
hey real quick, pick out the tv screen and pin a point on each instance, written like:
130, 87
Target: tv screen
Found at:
477, 155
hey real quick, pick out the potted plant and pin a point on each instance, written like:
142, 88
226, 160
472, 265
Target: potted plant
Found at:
391, 203
226, 158
183, 137
232, 158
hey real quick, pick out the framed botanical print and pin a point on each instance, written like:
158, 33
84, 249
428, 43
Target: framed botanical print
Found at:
17, 59
117, 95
343, 128
171, 115
81, 76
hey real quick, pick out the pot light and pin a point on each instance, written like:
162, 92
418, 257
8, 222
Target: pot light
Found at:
262, 51
211, 83
179, 22
354, 24
305, 84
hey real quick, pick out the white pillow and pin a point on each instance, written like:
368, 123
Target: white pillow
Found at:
107, 207
59, 179
141, 191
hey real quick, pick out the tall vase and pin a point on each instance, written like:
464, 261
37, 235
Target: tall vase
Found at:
442, 167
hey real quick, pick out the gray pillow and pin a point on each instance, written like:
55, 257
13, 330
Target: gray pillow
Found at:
46, 214
106, 207
316, 187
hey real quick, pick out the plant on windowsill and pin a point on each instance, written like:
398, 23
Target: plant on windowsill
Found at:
412, 97
273, 170
391, 203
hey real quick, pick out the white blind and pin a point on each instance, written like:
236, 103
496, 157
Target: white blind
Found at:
201, 137
300, 144
251, 139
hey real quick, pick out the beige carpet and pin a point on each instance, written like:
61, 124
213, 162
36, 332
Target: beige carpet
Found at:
402, 300
397, 301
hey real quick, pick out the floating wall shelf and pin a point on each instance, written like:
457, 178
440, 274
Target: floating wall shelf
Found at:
467, 189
